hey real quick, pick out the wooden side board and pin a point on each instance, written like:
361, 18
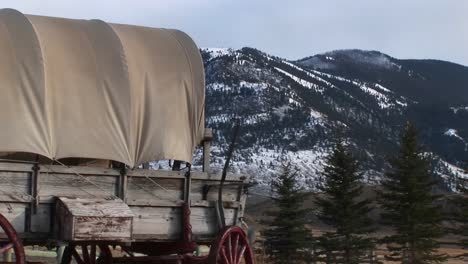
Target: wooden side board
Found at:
93, 219
155, 198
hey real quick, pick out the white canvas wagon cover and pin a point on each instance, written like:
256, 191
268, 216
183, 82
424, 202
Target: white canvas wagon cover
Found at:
91, 89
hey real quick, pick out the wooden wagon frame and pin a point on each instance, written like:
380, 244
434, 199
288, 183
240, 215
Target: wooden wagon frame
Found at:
87, 89
54, 205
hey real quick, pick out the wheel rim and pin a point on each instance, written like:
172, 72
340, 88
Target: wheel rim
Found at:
13, 241
231, 247
88, 254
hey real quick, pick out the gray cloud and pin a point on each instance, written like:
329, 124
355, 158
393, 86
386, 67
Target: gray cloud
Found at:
292, 29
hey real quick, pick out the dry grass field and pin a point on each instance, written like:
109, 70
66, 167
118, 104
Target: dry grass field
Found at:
259, 204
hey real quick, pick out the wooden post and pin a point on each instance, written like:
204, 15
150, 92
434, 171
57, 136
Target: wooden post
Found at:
123, 184
206, 149
34, 187
33, 190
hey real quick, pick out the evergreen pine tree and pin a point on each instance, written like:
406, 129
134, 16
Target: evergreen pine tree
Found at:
342, 207
408, 205
460, 214
286, 238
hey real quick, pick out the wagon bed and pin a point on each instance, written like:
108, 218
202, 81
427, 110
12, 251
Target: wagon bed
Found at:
30, 191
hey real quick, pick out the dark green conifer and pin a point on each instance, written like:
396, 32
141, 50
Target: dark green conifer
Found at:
460, 213
286, 238
342, 207
408, 205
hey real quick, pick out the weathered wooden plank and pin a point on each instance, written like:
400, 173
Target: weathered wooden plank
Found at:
94, 219
59, 169
16, 167
166, 223
163, 222
16, 214
67, 185
11, 197
204, 221
95, 171
154, 203
156, 173
96, 207
85, 170
196, 175
102, 228
15, 187
154, 189
179, 203
226, 204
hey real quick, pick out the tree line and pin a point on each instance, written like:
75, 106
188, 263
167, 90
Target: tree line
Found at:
408, 206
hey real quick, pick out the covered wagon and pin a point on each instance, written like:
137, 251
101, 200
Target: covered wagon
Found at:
84, 105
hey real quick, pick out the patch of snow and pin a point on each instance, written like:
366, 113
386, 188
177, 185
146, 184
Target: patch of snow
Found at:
294, 102
302, 82
309, 74
451, 174
254, 119
266, 163
456, 170
243, 84
451, 132
454, 133
383, 88
401, 103
316, 118
315, 114
218, 52
382, 99
218, 87
255, 86
456, 109
218, 118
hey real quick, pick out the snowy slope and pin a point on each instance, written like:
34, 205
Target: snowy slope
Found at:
294, 110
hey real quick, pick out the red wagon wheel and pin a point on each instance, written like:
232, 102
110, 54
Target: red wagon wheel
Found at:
231, 247
88, 254
13, 241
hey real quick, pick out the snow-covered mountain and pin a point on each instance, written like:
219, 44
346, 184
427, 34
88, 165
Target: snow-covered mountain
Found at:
294, 109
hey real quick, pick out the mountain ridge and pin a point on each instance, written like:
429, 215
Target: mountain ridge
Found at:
293, 110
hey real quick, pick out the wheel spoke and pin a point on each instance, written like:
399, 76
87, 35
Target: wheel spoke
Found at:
235, 248
223, 254
85, 253
241, 254
93, 254
6, 247
229, 249
105, 255
77, 257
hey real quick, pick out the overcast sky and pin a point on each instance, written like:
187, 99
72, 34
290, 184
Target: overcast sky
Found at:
287, 28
